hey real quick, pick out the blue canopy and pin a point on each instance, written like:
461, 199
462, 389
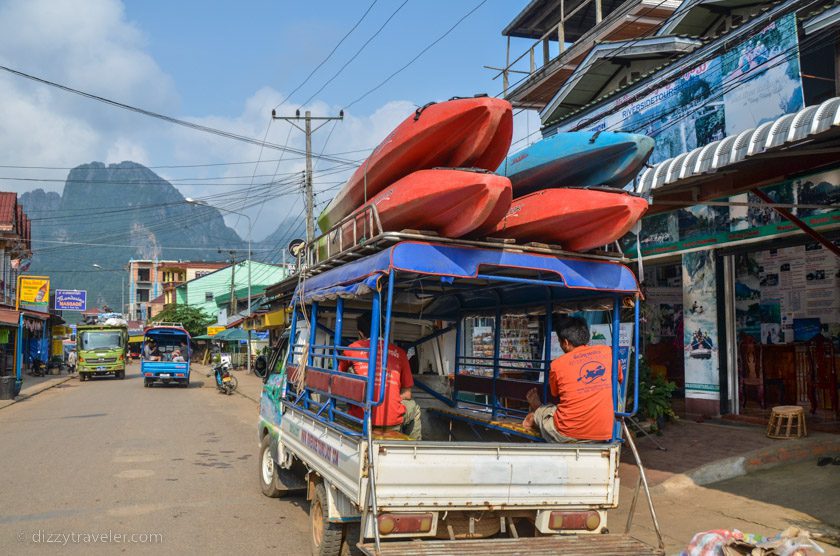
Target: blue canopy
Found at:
449, 261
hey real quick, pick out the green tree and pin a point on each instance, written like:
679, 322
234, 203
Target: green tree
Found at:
195, 320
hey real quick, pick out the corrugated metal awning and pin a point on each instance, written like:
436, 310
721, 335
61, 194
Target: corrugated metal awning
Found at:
806, 132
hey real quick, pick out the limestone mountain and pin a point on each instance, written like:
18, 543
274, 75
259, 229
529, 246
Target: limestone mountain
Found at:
109, 214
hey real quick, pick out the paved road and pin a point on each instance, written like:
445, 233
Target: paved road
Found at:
112, 457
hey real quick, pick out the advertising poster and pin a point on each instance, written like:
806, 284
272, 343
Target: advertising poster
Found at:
700, 326
762, 78
34, 290
70, 300
602, 335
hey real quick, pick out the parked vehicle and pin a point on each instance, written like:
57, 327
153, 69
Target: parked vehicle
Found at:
225, 382
165, 355
101, 350
478, 482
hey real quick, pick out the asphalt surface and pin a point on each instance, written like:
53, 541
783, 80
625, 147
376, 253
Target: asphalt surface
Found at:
164, 470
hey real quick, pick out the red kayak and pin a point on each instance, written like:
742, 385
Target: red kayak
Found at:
578, 219
464, 132
452, 203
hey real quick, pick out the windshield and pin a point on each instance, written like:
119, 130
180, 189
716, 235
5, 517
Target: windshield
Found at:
101, 340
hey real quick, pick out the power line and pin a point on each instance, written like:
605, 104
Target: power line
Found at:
356, 54
169, 119
324, 61
400, 70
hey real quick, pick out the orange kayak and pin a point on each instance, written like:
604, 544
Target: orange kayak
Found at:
464, 132
450, 202
578, 219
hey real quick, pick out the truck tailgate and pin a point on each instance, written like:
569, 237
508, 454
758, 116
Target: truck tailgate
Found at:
467, 475
572, 545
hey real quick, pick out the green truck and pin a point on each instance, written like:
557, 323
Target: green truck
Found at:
101, 350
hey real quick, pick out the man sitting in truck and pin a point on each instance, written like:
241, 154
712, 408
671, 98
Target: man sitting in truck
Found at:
398, 412
581, 379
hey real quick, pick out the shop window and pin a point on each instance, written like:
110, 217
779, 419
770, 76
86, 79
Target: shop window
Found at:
818, 69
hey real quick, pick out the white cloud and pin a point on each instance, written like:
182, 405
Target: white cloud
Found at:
89, 46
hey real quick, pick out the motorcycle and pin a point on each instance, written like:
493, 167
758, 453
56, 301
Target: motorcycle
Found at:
39, 368
225, 382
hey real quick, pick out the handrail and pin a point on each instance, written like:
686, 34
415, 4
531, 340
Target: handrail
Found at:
366, 217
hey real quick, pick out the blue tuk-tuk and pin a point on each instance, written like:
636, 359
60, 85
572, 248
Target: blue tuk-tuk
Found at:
478, 320
165, 355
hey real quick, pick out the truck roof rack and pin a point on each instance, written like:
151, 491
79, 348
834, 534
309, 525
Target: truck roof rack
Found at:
360, 234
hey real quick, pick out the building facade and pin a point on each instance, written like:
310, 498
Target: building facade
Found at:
152, 283
740, 256
212, 292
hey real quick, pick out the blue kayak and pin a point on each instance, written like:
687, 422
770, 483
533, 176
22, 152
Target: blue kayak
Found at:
577, 159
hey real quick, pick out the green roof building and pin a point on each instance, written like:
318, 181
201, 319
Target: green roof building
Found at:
211, 292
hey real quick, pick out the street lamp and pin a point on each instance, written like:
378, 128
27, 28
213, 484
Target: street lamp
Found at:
122, 286
200, 203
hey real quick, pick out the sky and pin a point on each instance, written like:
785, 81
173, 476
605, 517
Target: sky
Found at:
226, 65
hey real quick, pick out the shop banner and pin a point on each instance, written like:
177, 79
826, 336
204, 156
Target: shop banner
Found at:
34, 290
752, 83
70, 300
213, 330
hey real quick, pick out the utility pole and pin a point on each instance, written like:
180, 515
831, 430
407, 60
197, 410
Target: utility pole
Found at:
307, 129
232, 302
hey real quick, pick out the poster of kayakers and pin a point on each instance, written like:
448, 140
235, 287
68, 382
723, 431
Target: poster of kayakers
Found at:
700, 326
762, 77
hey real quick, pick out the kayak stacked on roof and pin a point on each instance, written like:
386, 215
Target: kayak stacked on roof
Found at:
434, 173
562, 194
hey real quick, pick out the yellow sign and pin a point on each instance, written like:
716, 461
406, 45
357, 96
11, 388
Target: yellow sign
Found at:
34, 290
213, 330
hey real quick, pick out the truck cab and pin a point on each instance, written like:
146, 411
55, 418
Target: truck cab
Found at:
101, 350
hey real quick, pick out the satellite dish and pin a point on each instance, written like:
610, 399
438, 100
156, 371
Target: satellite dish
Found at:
296, 246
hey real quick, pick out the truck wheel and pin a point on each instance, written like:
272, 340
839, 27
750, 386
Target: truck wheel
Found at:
82, 377
147, 383
268, 470
326, 537
186, 383
121, 375
351, 537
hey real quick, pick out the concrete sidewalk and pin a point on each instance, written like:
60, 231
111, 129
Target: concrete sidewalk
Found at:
33, 385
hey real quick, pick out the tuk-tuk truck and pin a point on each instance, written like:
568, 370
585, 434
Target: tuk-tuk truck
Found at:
478, 482
169, 362
101, 350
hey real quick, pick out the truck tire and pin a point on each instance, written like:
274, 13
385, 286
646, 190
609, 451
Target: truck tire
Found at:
82, 377
121, 375
325, 537
268, 470
147, 383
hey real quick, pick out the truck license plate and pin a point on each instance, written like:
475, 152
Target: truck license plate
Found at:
101, 368
165, 375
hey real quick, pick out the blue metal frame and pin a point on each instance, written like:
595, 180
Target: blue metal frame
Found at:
331, 354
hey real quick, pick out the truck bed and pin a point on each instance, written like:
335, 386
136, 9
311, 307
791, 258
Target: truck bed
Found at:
571, 545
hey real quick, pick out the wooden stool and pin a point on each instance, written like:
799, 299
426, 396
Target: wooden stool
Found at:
787, 417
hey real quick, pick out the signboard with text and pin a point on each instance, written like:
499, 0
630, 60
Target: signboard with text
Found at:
34, 290
70, 300
213, 330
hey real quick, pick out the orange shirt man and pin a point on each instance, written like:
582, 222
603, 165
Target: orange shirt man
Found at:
582, 380
398, 410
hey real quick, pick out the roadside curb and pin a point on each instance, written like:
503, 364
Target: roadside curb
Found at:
787, 451
45, 386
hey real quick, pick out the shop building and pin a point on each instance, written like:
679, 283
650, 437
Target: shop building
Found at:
739, 251
152, 283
